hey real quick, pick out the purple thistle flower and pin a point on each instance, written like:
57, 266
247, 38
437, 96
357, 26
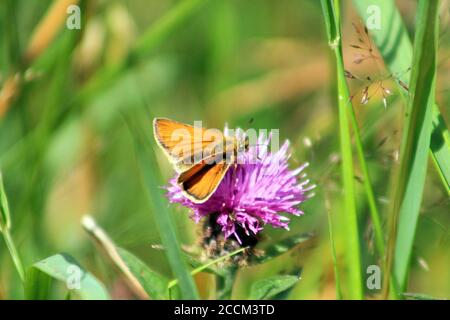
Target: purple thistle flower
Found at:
253, 193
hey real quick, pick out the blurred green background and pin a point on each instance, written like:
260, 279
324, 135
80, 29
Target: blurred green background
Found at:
66, 148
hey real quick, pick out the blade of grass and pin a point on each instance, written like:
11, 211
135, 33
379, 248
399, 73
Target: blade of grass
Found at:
331, 13
417, 136
5, 227
47, 29
414, 148
10, 32
8, 23
395, 47
367, 182
333, 250
169, 239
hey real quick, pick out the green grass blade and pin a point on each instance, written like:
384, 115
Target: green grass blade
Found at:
64, 268
395, 47
14, 254
333, 251
5, 216
331, 13
5, 227
367, 182
9, 22
415, 143
169, 239
417, 135
334, 29
374, 213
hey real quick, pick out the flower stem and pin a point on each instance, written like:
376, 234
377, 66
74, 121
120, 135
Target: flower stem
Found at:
225, 284
206, 265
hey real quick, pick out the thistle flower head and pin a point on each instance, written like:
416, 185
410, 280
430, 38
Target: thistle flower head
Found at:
253, 193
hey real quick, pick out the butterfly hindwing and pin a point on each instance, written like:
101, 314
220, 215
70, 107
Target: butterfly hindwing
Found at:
200, 182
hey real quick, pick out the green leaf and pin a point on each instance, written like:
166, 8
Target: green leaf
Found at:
153, 283
274, 250
331, 12
270, 287
37, 285
63, 268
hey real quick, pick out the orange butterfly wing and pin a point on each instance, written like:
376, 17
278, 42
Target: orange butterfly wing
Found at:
200, 182
184, 145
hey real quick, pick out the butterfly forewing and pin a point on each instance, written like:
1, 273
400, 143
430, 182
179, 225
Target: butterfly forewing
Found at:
186, 145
